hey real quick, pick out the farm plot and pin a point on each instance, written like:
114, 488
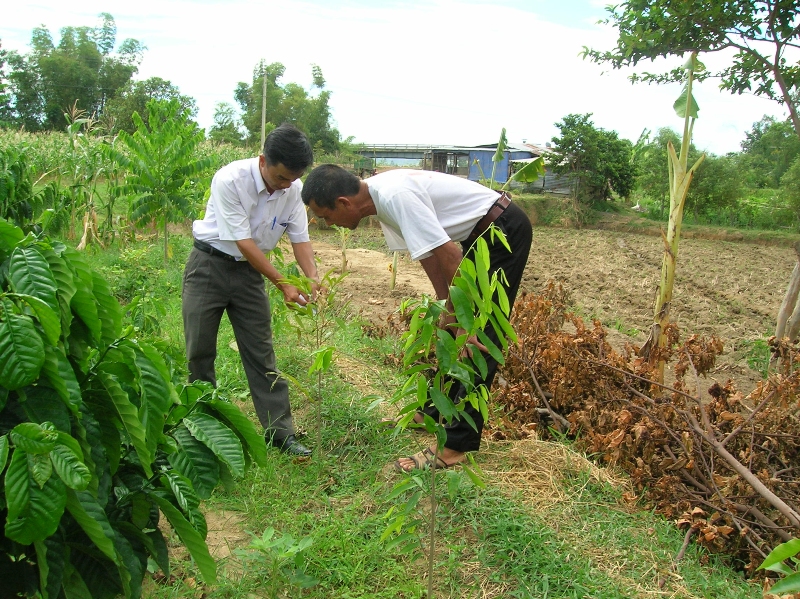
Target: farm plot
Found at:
729, 289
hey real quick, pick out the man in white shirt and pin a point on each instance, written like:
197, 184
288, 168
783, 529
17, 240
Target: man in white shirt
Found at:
253, 202
429, 213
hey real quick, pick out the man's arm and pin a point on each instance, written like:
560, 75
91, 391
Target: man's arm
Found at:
304, 254
441, 267
259, 261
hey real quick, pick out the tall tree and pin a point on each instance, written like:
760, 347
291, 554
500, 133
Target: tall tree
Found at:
5, 97
761, 34
599, 160
652, 174
289, 103
227, 125
135, 95
769, 150
81, 68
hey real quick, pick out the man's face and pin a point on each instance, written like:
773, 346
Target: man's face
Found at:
343, 213
276, 176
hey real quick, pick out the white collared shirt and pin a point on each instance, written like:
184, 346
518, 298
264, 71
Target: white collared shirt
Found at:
421, 210
241, 207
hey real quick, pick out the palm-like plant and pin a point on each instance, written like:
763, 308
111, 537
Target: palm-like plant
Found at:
161, 161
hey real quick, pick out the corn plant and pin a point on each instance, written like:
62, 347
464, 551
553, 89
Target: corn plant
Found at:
20, 200
436, 359
95, 440
680, 177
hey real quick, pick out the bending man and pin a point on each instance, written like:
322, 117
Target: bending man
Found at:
430, 214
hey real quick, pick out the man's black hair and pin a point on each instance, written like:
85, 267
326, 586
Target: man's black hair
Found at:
289, 146
326, 183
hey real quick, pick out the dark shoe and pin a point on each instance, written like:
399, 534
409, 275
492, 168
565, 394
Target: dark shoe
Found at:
290, 445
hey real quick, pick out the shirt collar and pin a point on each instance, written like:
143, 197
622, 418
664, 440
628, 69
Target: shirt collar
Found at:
259, 181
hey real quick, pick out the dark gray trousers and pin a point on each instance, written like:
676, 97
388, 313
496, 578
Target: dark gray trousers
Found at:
211, 286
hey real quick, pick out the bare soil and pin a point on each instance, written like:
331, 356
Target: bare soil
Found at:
725, 288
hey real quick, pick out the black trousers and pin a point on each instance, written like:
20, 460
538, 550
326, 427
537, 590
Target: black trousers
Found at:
516, 226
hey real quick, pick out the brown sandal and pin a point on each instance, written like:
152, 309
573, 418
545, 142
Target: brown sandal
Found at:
423, 460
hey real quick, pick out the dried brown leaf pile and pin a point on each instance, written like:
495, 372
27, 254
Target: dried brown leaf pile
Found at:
725, 467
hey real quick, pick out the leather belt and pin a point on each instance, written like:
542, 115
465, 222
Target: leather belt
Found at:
210, 249
494, 212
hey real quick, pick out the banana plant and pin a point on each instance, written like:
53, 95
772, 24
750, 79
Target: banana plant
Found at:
680, 177
527, 174
95, 440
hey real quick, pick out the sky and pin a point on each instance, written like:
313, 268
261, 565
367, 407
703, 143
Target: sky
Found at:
449, 72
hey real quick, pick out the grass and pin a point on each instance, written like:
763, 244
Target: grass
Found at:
548, 524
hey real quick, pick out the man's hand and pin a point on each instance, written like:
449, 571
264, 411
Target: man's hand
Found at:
448, 322
292, 295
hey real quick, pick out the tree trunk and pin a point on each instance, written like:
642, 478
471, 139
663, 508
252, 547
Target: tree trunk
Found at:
789, 312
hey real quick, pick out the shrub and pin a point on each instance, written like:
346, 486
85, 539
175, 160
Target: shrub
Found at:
95, 440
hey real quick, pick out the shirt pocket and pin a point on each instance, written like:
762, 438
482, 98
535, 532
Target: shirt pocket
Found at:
268, 233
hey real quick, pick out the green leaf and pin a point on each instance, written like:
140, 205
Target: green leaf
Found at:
463, 308
3, 452
156, 393
782, 552
40, 468
219, 439
479, 361
84, 305
59, 373
33, 512
69, 466
446, 351
10, 236
91, 517
21, 351
33, 438
190, 537
322, 360
473, 476
47, 317
790, 584
52, 553
244, 427
130, 418
493, 350
530, 172
109, 312
502, 144
443, 404
29, 274
181, 488
74, 586
680, 105
195, 461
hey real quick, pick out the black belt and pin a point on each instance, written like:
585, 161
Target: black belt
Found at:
210, 249
494, 212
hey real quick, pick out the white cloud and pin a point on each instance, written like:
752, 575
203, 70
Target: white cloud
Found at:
412, 72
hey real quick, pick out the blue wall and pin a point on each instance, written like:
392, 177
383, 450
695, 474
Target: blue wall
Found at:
484, 158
